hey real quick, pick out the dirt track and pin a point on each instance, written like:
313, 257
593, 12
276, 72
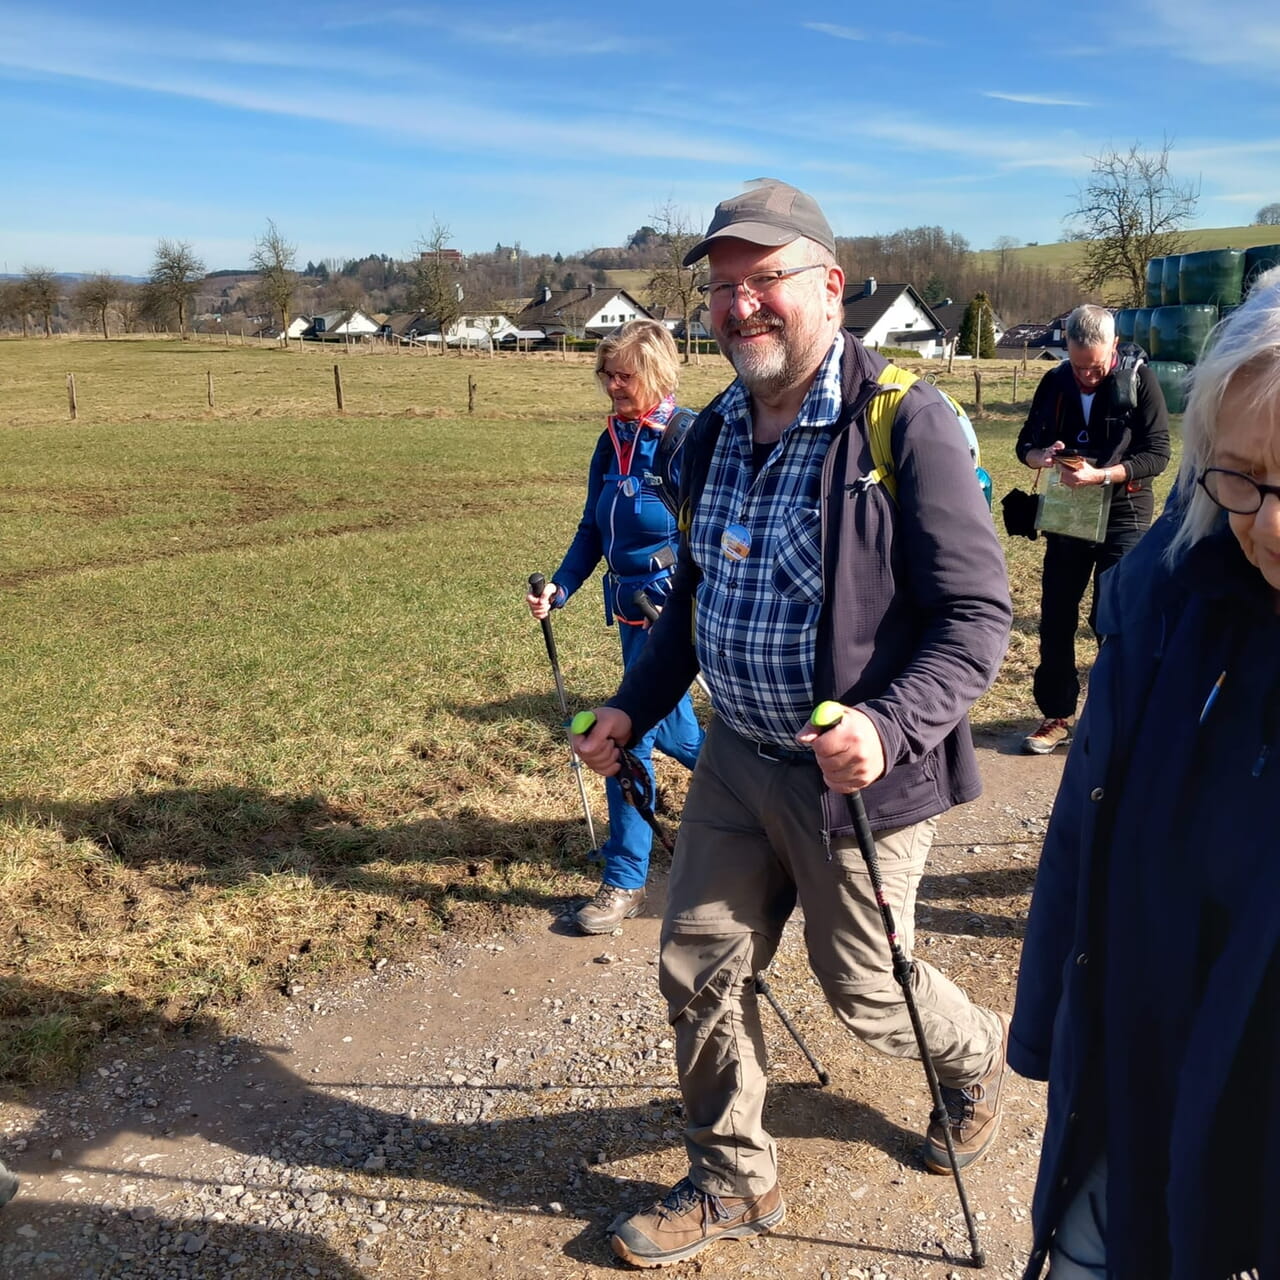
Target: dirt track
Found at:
488, 1109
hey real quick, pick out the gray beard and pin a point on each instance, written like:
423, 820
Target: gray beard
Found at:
765, 372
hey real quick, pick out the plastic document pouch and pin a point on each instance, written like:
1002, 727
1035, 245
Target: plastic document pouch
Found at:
1076, 513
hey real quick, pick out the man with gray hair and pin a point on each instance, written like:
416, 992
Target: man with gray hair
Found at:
1097, 424
812, 581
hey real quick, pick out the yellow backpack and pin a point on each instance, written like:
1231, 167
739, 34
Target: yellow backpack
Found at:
881, 412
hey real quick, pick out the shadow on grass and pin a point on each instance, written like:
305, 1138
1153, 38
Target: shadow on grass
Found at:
229, 834
500, 1142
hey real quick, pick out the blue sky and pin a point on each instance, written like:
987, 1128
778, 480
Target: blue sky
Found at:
565, 125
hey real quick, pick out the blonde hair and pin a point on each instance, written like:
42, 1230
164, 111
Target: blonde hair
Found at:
651, 351
1244, 347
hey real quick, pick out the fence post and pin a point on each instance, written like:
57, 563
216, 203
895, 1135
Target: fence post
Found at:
471, 393
951, 355
71, 396
209, 387
1015, 385
337, 386
977, 392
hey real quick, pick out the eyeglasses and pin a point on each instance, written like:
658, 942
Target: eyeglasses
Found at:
723, 292
1234, 491
626, 379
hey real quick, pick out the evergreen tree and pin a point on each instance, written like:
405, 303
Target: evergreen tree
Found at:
935, 289
977, 329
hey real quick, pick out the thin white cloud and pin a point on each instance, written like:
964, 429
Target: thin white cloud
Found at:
132, 59
1035, 99
546, 39
840, 33
1242, 34
877, 37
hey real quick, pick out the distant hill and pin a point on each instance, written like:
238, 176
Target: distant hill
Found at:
1067, 254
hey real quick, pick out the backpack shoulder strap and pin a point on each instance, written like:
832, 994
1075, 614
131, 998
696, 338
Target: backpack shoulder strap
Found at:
1127, 387
881, 413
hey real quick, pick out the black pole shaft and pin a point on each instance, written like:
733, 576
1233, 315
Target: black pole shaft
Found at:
902, 971
763, 987
650, 611
538, 584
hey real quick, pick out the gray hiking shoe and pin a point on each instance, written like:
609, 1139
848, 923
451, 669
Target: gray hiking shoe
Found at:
686, 1220
609, 908
8, 1185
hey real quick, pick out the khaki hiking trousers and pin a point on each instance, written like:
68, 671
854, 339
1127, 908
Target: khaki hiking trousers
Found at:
750, 846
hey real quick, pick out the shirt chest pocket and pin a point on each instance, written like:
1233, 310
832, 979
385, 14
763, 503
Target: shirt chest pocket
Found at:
797, 564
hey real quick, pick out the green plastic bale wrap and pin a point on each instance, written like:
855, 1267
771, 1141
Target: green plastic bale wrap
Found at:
1172, 376
1260, 258
1212, 276
1142, 327
1124, 323
1170, 294
1155, 282
1178, 333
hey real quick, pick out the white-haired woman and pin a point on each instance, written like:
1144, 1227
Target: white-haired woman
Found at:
626, 522
1149, 994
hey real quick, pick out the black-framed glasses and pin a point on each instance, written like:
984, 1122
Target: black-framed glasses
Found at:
756, 285
1234, 491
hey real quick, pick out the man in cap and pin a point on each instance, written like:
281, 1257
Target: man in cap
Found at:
811, 582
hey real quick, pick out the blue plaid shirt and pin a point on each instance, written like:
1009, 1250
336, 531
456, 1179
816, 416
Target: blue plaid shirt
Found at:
757, 617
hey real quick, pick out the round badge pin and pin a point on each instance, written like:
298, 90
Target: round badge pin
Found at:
735, 542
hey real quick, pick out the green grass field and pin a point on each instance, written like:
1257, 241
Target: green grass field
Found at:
1068, 254
272, 702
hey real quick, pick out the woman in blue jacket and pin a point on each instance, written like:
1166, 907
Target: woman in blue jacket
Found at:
1149, 993
626, 522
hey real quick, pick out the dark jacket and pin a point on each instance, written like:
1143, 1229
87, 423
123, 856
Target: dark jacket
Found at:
1138, 438
1096, 909
915, 614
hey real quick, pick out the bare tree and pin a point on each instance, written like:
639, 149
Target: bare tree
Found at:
1130, 211
96, 296
673, 284
41, 289
175, 272
14, 303
275, 260
434, 288
129, 305
1268, 215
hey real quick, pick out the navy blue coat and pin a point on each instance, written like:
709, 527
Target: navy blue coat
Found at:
1147, 614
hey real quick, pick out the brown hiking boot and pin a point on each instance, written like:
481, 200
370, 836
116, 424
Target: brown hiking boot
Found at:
974, 1115
687, 1220
1051, 733
609, 908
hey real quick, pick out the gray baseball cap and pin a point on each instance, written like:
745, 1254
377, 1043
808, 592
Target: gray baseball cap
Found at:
771, 214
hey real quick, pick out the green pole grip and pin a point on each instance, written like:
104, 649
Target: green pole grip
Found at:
826, 715
582, 722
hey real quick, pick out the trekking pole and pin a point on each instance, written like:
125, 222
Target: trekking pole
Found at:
538, 584
767, 991
653, 613
826, 716
634, 781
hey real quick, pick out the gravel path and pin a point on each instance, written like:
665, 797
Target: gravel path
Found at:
490, 1107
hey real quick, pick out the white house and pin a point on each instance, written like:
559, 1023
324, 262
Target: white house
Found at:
893, 315
592, 312
338, 326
